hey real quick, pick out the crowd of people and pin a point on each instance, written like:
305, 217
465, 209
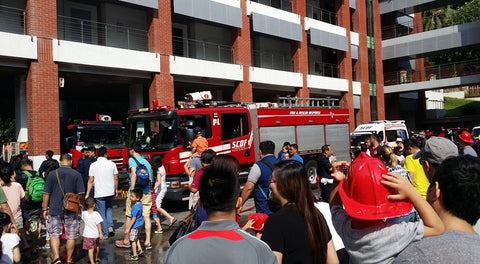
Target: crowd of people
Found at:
30, 200
415, 202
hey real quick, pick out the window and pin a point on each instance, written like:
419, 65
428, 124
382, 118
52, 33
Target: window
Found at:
234, 125
188, 122
392, 135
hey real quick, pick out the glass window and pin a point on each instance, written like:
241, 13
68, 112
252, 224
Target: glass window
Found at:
234, 125
155, 134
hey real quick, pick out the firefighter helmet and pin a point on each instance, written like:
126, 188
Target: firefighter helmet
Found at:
363, 194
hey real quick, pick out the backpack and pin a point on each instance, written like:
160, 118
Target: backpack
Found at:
143, 175
274, 206
34, 188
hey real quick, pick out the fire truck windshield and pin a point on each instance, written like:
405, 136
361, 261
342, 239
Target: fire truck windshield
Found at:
154, 134
109, 138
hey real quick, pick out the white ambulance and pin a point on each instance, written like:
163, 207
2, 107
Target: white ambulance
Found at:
387, 131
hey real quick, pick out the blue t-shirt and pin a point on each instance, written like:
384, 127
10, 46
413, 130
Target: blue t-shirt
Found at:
133, 164
71, 181
297, 158
137, 210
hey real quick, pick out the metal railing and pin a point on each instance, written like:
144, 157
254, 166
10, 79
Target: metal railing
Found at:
397, 30
437, 72
272, 60
326, 69
280, 4
104, 34
12, 20
321, 14
203, 50
326, 102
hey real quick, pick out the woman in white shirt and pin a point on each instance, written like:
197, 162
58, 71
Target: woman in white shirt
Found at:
161, 187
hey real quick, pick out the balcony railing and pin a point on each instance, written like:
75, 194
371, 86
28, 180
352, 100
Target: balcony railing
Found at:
397, 30
272, 60
326, 69
197, 49
12, 20
97, 33
280, 4
321, 14
443, 71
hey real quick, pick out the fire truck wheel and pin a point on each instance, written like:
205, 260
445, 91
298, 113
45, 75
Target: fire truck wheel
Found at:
311, 167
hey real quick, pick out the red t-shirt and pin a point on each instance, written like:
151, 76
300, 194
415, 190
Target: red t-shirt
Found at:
196, 178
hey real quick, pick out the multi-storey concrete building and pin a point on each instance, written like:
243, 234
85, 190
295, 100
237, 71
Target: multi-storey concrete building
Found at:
65, 60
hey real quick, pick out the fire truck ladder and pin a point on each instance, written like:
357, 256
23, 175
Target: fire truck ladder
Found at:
326, 102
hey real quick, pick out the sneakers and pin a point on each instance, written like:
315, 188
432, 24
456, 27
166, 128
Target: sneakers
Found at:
133, 258
122, 244
47, 245
147, 246
140, 252
158, 231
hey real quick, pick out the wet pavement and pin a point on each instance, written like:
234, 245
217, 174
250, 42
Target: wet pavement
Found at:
109, 253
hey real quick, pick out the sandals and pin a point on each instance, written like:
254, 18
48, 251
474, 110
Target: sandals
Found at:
147, 246
172, 223
158, 231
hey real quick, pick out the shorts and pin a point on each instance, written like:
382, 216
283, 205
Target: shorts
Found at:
160, 194
71, 222
133, 234
154, 205
90, 243
146, 202
19, 222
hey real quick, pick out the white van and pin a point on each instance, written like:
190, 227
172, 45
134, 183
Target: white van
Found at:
476, 132
387, 131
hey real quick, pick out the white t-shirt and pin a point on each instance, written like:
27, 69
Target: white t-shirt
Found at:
91, 220
103, 171
9, 242
163, 175
324, 208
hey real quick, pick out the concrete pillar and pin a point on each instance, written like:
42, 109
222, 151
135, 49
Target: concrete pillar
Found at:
377, 35
21, 129
360, 19
299, 50
345, 61
135, 92
43, 119
242, 55
160, 41
419, 75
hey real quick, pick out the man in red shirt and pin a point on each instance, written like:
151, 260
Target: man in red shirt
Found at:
374, 145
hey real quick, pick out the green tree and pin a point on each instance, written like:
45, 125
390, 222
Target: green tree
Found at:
7, 129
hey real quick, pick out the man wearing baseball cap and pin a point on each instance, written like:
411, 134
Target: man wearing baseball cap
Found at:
465, 140
435, 151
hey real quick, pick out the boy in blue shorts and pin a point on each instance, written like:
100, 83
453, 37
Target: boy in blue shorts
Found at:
135, 223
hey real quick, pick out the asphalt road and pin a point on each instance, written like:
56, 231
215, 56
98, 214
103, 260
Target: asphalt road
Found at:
109, 253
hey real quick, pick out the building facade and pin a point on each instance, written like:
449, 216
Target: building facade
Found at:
66, 60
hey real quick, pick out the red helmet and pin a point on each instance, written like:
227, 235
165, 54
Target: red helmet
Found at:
259, 219
466, 137
363, 194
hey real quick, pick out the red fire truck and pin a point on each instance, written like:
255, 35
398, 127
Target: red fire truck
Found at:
236, 129
100, 133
